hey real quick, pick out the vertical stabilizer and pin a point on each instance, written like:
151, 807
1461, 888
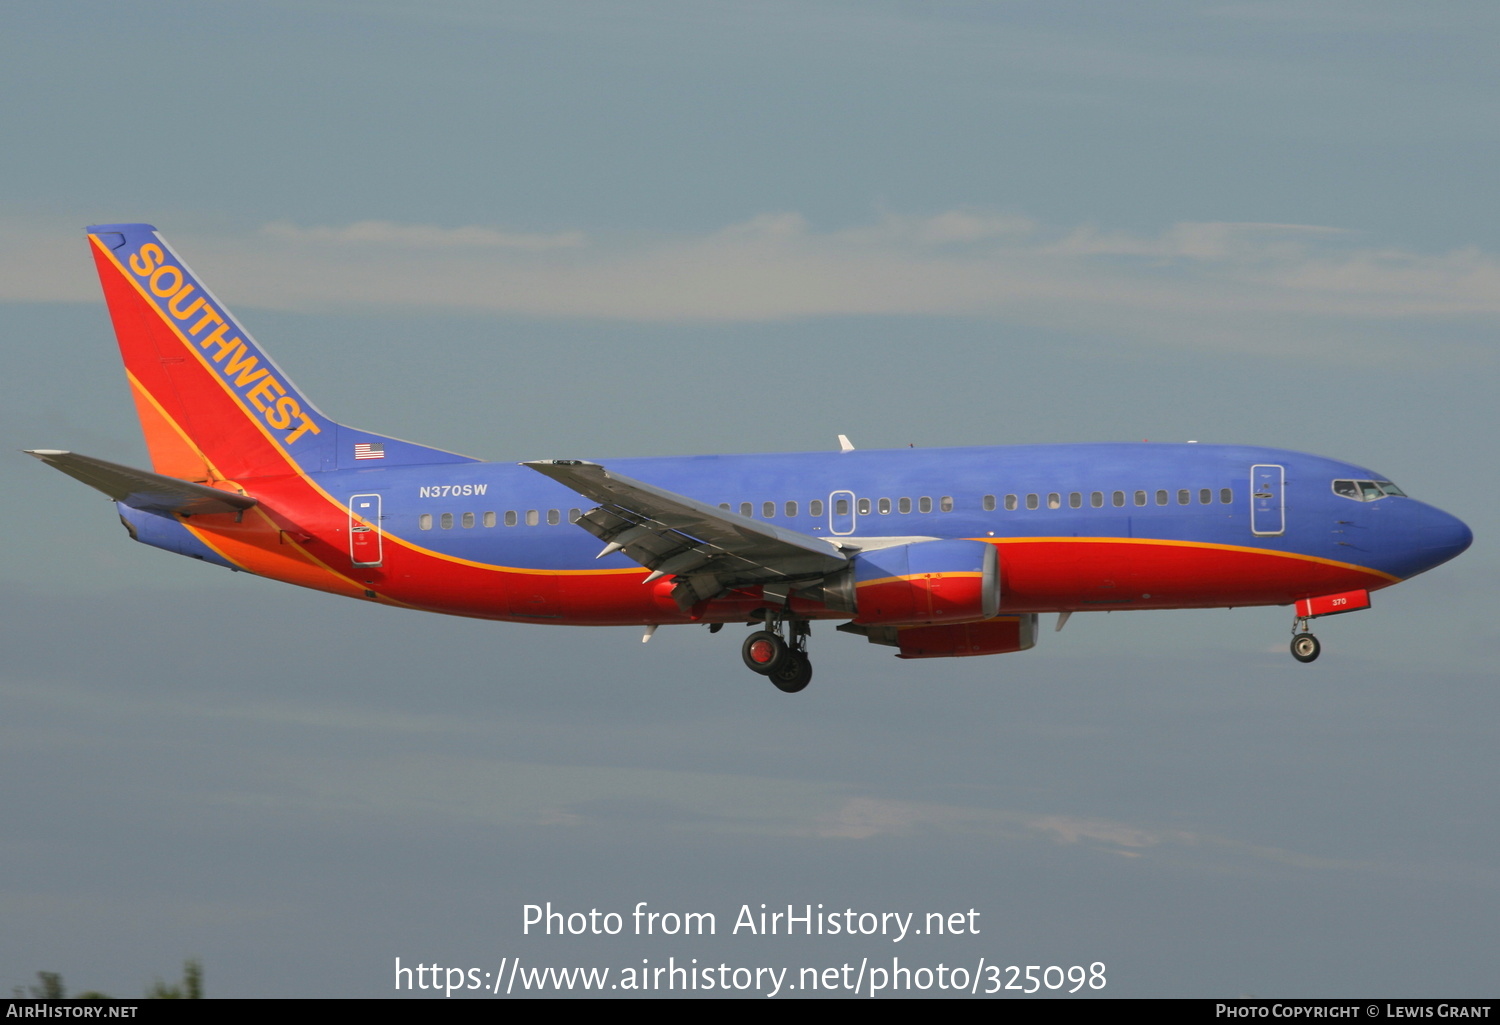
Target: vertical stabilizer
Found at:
212, 404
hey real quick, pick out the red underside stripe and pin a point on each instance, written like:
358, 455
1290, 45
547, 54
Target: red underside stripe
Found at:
1036, 576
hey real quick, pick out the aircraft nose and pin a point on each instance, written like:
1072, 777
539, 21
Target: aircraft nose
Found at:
1444, 536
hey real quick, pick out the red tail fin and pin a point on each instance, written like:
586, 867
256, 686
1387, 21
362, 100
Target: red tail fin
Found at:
212, 404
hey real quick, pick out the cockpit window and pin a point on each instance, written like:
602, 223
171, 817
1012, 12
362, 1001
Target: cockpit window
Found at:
1366, 490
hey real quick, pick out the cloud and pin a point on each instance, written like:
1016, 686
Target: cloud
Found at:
1209, 242
420, 236
1286, 289
1069, 830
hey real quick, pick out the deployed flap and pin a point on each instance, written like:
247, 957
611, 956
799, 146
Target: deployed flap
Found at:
707, 548
141, 489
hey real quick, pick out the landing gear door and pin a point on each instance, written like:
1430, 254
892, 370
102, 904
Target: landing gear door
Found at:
364, 530
1267, 501
841, 512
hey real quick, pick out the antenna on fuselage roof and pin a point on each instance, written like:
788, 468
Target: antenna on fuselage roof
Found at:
845, 445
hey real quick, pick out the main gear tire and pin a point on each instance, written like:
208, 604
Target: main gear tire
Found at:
795, 675
765, 653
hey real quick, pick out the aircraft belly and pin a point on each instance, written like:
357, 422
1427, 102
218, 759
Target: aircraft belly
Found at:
531, 596
1079, 574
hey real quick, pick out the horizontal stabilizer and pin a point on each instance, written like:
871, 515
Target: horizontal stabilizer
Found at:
141, 489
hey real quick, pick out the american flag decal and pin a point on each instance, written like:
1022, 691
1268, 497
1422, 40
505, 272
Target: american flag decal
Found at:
369, 450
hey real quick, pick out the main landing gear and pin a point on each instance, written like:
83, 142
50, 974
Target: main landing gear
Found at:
1305, 647
780, 652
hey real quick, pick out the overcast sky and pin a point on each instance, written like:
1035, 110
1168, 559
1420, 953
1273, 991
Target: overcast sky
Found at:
592, 229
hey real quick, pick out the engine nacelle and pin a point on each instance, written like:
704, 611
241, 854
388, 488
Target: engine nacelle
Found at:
926, 582
992, 637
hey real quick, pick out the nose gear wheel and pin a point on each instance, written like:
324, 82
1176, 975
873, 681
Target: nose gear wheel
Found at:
1305, 647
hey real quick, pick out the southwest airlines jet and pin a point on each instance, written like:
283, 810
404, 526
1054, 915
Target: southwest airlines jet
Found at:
935, 553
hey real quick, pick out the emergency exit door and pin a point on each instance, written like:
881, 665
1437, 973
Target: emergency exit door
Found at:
841, 515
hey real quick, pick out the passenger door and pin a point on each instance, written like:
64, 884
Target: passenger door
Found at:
1267, 501
364, 530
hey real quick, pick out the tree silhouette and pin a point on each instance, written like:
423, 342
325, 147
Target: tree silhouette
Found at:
191, 988
49, 986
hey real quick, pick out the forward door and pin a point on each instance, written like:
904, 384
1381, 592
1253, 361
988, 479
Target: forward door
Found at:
1267, 500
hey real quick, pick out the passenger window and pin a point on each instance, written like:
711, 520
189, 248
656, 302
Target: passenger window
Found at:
553, 517
863, 506
1054, 501
1031, 502
815, 507
1184, 497
946, 503
468, 520
905, 504
1119, 499
746, 509
768, 510
924, 504
1226, 496
1206, 496
791, 509
574, 515
1140, 498
724, 506
987, 503
1161, 498
841, 507
532, 518
1010, 503
885, 507
1097, 500
447, 521
424, 522
1075, 500
510, 517
489, 519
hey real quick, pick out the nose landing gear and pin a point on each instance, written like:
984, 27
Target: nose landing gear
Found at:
1305, 647
780, 652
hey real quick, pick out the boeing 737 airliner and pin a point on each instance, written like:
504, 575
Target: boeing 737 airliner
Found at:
937, 553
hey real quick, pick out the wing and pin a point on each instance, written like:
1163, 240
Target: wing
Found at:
141, 489
707, 549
